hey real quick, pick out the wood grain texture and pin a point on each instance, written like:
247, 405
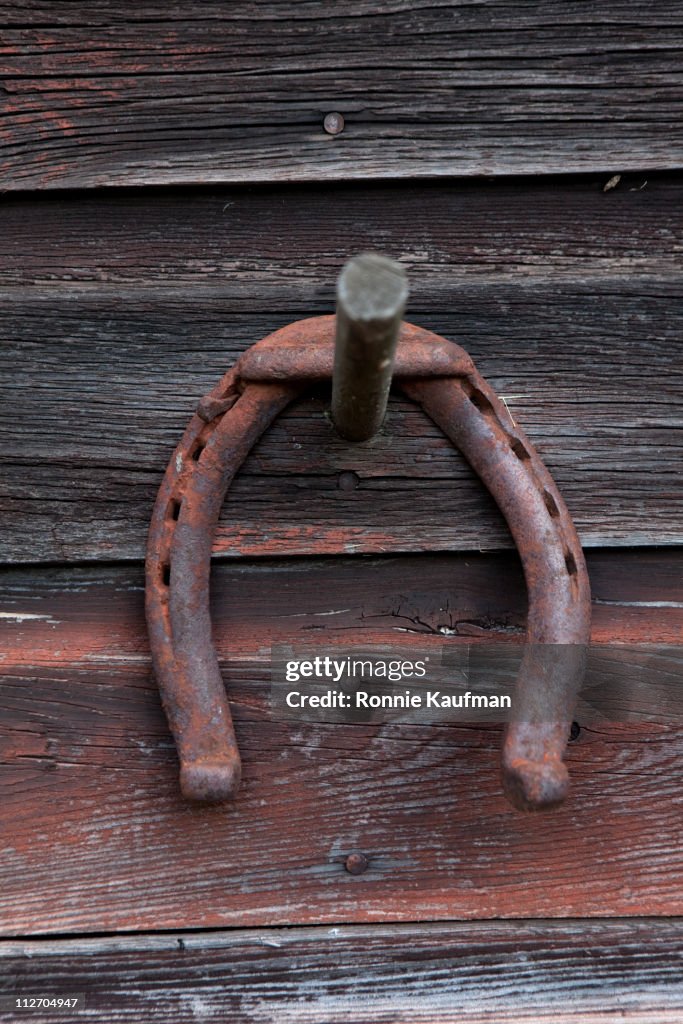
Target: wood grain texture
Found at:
122, 311
77, 615
163, 93
96, 837
493, 973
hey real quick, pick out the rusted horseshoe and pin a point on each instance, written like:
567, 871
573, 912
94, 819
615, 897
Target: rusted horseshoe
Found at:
441, 377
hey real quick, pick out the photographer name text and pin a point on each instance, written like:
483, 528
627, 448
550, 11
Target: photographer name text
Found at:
394, 701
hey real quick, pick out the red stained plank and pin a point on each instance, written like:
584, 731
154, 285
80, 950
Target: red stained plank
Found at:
97, 838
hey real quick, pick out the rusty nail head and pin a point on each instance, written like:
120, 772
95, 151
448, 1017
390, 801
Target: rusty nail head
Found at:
356, 863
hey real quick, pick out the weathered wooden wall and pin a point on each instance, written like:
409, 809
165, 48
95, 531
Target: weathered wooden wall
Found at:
121, 311
148, 93
122, 306
432, 974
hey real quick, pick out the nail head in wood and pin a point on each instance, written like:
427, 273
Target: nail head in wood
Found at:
333, 123
356, 863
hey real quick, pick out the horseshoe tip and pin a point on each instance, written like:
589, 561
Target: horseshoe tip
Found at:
535, 785
210, 781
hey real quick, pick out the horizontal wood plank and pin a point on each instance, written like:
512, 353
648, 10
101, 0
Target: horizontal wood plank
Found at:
64, 615
168, 94
493, 973
96, 837
567, 298
281, 248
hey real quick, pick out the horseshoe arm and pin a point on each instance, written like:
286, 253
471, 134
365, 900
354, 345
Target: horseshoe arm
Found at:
558, 630
177, 569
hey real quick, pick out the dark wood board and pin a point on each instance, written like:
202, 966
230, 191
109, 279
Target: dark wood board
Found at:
480, 973
122, 310
96, 837
279, 249
166, 93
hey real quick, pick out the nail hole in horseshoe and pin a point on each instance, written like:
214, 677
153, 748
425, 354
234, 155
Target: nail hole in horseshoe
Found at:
196, 452
550, 504
480, 401
166, 574
518, 448
174, 509
570, 562
574, 732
